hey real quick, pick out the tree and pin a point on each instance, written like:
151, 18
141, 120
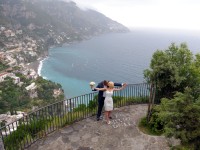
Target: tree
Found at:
178, 117
176, 74
174, 69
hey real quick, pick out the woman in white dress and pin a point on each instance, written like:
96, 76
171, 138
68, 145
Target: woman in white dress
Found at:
108, 102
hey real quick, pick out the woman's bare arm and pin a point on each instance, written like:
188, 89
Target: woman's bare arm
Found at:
100, 89
118, 89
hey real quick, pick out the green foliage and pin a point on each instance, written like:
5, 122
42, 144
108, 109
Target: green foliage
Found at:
178, 117
81, 107
174, 69
93, 104
146, 128
13, 97
3, 66
176, 74
23, 133
10, 96
122, 101
45, 89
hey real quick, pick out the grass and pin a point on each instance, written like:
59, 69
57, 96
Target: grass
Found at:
145, 128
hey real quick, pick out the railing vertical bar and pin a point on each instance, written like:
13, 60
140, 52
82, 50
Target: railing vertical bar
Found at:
35, 128
90, 99
125, 95
80, 102
70, 106
6, 131
61, 120
129, 93
139, 90
38, 127
133, 91
53, 117
57, 116
87, 108
73, 107
85, 102
142, 92
28, 124
84, 110
26, 142
47, 120
2, 138
24, 139
64, 112
67, 111
50, 118
13, 132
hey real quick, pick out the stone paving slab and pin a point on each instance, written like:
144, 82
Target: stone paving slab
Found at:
89, 134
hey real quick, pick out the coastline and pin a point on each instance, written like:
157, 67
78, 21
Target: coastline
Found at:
37, 65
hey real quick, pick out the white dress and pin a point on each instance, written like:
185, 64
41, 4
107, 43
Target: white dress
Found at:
108, 102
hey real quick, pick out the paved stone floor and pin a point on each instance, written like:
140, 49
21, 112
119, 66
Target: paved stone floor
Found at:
89, 134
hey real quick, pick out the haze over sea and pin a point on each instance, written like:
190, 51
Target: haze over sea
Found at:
118, 57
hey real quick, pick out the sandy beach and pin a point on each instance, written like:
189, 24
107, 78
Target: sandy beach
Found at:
36, 65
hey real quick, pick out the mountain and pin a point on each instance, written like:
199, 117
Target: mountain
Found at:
55, 21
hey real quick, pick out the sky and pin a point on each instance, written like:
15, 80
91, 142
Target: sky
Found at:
171, 14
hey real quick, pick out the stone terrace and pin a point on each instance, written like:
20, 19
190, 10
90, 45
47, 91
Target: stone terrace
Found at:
89, 134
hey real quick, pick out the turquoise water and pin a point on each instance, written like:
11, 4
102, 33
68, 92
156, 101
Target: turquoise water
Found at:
119, 57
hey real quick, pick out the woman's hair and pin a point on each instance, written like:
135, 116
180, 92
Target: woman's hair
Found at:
110, 84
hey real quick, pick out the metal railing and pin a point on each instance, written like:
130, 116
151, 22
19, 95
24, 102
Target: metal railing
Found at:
23, 132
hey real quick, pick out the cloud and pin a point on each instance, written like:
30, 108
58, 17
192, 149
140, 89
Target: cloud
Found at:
148, 13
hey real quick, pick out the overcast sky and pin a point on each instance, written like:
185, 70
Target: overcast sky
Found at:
176, 14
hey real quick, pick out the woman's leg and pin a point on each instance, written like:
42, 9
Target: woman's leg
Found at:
106, 116
109, 114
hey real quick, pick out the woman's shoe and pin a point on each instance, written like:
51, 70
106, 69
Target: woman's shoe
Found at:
108, 122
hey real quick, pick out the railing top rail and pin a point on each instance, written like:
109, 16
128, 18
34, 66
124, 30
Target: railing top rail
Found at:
77, 97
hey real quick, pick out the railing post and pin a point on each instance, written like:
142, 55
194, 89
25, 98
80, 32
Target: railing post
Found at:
1, 141
70, 108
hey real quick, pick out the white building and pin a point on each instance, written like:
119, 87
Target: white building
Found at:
3, 76
32, 90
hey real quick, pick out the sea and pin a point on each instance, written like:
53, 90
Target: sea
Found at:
117, 57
